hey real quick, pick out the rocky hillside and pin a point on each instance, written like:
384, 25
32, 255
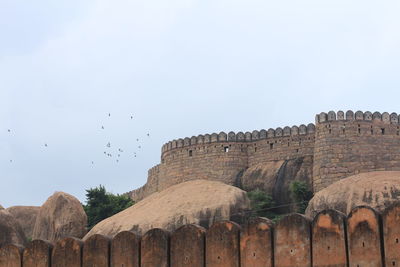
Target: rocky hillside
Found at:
374, 189
200, 202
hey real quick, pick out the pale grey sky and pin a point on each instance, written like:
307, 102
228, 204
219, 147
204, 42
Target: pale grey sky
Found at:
181, 68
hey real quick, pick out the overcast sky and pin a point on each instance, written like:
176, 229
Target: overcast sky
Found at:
180, 68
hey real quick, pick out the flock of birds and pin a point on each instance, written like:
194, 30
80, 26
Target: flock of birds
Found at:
108, 146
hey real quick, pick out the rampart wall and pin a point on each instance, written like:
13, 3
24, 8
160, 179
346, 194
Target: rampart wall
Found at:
350, 143
364, 238
339, 145
222, 157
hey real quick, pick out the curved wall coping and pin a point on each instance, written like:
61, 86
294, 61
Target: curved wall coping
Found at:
385, 117
239, 137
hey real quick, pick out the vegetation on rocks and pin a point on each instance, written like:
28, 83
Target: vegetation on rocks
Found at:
262, 204
301, 195
101, 204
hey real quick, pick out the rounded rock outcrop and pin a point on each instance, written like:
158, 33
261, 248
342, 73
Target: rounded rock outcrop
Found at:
62, 215
374, 189
10, 230
194, 202
26, 217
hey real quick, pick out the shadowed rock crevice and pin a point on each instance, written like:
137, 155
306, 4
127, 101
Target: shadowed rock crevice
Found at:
275, 178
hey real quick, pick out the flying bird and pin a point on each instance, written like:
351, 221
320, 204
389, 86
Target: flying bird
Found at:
137, 139
9, 130
11, 160
109, 114
45, 145
92, 162
131, 117
108, 144
139, 146
148, 134
102, 127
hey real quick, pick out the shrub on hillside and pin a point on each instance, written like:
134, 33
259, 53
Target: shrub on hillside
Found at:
101, 204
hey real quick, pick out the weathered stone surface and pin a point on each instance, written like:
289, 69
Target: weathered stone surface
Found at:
375, 189
154, 248
10, 230
292, 242
391, 234
364, 238
37, 254
125, 250
96, 251
10, 256
275, 177
198, 202
256, 243
187, 246
222, 245
67, 252
26, 217
62, 215
329, 239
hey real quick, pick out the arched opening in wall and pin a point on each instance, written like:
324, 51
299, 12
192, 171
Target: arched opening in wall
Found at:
190, 153
359, 129
226, 149
271, 146
383, 131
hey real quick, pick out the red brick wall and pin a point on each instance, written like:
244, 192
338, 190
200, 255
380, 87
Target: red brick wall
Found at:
364, 238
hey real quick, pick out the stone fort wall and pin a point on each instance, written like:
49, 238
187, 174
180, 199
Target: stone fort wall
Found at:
341, 144
223, 157
350, 143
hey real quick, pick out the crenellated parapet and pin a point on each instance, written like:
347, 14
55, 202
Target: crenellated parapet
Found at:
392, 118
239, 137
154, 170
340, 144
348, 143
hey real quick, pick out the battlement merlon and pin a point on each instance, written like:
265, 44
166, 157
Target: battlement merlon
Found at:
239, 137
385, 117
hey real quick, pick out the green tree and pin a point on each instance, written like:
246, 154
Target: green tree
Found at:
261, 204
101, 204
301, 195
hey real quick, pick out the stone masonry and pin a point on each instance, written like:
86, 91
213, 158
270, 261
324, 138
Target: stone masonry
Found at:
341, 144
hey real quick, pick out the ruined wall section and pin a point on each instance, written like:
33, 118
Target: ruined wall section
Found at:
223, 157
350, 143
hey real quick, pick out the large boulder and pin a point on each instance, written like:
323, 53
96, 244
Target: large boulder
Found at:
10, 230
275, 177
26, 217
375, 189
62, 215
199, 202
